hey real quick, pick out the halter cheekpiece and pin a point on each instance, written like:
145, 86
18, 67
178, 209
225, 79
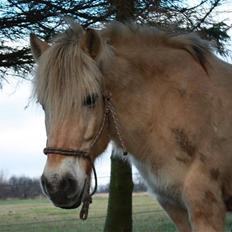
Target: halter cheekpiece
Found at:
109, 112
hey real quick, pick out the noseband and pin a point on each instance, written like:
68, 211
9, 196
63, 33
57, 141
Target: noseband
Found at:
84, 155
109, 112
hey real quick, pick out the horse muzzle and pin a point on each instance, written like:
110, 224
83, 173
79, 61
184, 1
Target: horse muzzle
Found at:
63, 192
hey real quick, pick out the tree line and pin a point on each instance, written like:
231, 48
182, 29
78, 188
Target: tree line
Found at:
22, 187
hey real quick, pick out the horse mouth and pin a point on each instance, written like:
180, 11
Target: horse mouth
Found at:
76, 205
79, 201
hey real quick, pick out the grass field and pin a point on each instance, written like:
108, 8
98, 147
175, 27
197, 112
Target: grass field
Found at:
39, 215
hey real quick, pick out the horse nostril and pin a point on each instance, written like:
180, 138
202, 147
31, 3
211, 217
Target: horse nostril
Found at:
49, 186
59, 189
68, 185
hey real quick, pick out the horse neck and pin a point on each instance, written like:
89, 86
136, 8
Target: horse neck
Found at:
131, 101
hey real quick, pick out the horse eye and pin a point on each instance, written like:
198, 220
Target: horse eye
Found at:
90, 100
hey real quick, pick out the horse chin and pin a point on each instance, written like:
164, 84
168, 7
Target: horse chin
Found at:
74, 206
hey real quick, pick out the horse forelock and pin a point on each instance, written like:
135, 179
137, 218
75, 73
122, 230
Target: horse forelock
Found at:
66, 75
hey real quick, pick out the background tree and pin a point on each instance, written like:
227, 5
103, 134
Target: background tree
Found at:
119, 213
19, 187
176, 16
24, 187
18, 18
3, 185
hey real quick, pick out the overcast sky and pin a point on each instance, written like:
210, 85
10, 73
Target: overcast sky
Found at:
22, 132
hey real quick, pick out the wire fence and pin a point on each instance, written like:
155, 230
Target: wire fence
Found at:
148, 214
10, 227
59, 221
62, 220
75, 218
25, 187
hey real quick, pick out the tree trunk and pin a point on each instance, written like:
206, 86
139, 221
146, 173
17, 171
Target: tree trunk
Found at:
119, 213
124, 9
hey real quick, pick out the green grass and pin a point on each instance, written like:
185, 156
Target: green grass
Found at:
41, 216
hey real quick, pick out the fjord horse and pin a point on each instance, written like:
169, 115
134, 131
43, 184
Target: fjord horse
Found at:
166, 99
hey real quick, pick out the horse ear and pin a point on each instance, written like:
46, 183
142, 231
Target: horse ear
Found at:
91, 43
37, 46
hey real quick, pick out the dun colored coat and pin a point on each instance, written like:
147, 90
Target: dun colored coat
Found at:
173, 101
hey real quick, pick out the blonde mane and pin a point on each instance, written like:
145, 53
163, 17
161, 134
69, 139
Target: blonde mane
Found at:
66, 74
121, 34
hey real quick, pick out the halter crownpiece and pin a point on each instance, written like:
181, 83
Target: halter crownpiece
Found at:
109, 111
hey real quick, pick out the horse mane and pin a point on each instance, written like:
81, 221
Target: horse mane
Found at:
66, 74
198, 48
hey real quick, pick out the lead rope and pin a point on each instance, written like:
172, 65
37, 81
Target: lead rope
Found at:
109, 109
116, 123
88, 199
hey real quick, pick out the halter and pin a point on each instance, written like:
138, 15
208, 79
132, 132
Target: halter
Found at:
109, 111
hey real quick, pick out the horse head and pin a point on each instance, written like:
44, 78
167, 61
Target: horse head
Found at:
69, 86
